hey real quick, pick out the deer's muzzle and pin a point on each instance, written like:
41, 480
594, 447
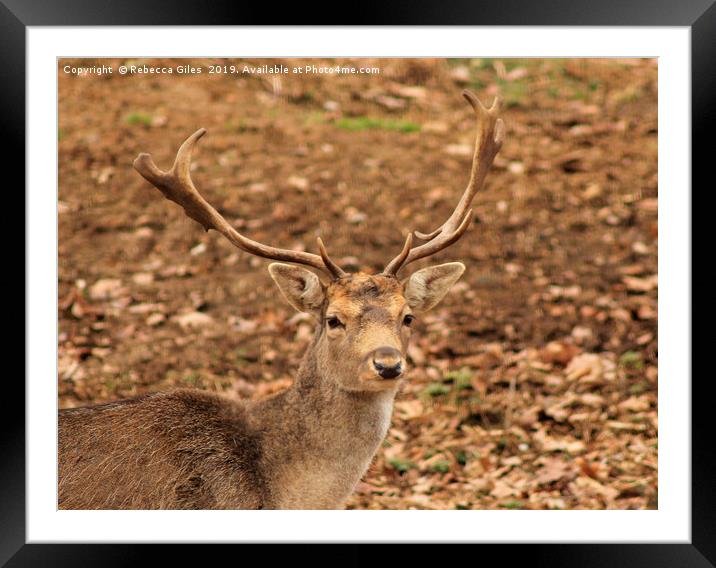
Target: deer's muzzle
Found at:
388, 362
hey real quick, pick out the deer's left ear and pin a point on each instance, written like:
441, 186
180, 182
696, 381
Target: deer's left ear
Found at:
300, 287
425, 288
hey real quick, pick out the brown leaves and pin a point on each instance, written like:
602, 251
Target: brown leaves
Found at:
587, 490
590, 369
553, 469
635, 284
553, 455
559, 352
193, 320
106, 289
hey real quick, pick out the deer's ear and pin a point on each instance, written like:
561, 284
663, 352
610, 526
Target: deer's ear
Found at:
426, 287
300, 287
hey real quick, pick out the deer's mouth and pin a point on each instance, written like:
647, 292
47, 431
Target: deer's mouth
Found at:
371, 379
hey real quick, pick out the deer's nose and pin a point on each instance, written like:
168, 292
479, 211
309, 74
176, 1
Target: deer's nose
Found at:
388, 362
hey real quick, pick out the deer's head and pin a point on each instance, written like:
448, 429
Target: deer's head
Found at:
364, 319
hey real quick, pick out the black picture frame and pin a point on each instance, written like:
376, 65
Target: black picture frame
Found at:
698, 15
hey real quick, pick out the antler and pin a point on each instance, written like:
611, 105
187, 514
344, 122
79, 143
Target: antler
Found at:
490, 134
177, 186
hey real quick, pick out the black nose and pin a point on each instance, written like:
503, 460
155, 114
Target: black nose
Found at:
388, 362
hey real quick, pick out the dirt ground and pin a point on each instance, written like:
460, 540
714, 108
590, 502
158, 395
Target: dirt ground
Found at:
533, 385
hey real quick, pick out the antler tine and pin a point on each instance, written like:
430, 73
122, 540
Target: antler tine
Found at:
177, 186
335, 270
488, 141
395, 264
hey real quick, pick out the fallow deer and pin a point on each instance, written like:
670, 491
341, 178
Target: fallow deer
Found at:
305, 447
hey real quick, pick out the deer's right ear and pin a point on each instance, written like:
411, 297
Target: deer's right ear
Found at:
300, 287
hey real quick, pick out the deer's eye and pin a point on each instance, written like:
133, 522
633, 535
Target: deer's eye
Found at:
334, 322
408, 319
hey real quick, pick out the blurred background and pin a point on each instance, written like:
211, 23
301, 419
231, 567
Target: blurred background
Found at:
533, 384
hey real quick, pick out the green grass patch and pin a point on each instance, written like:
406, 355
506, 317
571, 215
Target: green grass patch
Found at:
512, 505
513, 92
485, 62
639, 388
240, 126
629, 95
139, 118
401, 465
240, 357
476, 84
632, 360
462, 379
441, 466
357, 123
192, 378
461, 457
437, 389
313, 118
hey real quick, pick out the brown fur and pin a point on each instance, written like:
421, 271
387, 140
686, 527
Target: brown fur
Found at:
305, 447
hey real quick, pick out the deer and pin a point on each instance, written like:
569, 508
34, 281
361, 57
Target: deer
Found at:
307, 446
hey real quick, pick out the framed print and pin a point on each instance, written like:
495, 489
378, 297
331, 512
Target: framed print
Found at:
396, 284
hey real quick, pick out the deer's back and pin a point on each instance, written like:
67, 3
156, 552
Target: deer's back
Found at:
177, 450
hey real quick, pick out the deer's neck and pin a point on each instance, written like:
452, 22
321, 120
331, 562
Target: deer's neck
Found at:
323, 438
